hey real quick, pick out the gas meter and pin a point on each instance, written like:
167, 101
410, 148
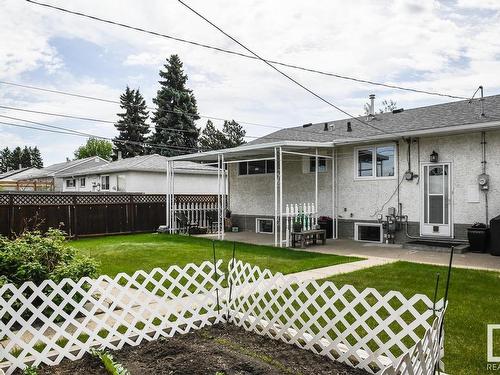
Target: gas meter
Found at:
483, 181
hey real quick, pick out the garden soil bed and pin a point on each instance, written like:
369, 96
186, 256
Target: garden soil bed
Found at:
223, 349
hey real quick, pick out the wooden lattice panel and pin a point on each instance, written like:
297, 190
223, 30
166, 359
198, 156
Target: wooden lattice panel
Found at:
50, 322
98, 199
41, 199
150, 198
4, 199
363, 329
180, 198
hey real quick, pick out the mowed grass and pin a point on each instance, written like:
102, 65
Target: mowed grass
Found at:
128, 253
474, 302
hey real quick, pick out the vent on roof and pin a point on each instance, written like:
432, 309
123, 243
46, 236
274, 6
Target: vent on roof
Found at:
326, 127
399, 110
349, 128
307, 125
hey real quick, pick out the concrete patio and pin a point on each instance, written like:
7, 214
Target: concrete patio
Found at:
384, 251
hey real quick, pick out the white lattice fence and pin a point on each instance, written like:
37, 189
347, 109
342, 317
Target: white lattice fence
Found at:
50, 322
364, 329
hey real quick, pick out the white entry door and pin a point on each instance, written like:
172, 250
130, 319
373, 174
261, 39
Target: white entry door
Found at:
436, 219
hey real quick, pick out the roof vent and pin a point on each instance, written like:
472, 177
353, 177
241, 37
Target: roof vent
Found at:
399, 110
326, 127
307, 125
372, 105
349, 128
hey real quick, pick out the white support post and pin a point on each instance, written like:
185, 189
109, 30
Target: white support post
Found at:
334, 194
275, 197
218, 199
223, 196
167, 198
281, 196
316, 181
172, 195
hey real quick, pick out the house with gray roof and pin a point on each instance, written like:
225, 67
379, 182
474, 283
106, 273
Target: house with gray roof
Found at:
142, 174
420, 174
52, 174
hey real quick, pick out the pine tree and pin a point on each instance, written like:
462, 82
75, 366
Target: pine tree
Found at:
175, 109
234, 134
5, 156
211, 138
36, 157
26, 157
15, 158
132, 124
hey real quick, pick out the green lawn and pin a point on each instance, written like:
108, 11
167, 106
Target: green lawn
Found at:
474, 301
128, 253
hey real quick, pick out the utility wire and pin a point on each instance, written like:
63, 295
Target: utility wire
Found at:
84, 118
278, 70
89, 135
240, 54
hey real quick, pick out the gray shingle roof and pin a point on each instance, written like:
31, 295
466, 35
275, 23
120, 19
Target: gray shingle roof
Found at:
423, 118
146, 163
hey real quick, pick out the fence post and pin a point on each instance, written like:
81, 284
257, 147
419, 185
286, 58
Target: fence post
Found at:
131, 213
11, 216
75, 218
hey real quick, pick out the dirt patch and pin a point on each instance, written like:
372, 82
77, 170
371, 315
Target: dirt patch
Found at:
223, 349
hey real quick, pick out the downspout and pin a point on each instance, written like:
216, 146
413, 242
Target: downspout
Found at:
483, 164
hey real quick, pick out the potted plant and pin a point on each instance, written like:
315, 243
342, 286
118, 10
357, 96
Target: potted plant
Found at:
297, 226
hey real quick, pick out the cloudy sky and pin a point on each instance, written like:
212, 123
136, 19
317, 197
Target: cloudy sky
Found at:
446, 46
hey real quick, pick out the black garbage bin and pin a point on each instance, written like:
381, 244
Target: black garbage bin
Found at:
326, 223
478, 236
495, 236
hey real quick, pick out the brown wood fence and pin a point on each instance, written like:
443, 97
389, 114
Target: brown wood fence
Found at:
83, 214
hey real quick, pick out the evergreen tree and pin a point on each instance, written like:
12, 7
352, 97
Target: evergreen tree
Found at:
231, 135
36, 157
234, 134
26, 157
211, 138
132, 124
5, 156
15, 158
95, 147
175, 109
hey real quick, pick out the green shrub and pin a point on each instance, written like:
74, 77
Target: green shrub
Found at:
36, 257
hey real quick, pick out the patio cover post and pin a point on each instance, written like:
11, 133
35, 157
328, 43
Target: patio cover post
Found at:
223, 195
275, 197
281, 196
173, 221
334, 193
316, 183
167, 198
218, 198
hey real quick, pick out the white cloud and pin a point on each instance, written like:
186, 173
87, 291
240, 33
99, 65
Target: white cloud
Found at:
424, 44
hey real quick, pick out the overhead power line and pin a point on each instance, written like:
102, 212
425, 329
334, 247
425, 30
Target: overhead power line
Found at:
280, 71
244, 55
60, 129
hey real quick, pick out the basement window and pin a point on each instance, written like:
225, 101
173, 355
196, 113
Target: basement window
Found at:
263, 225
368, 232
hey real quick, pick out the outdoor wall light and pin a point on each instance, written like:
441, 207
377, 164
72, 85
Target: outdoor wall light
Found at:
434, 157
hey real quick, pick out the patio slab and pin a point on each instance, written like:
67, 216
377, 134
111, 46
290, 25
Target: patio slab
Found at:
385, 251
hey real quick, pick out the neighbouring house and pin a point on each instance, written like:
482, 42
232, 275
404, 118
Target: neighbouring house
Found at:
421, 173
50, 177
143, 174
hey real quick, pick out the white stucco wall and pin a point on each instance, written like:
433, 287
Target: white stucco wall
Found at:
360, 199
254, 194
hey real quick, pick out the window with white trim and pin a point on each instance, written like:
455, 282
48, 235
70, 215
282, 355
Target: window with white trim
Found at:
375, 162
82, 182
255, 167
71, 183
104, 182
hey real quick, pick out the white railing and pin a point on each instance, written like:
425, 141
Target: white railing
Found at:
305, 213
195, 213
384, 334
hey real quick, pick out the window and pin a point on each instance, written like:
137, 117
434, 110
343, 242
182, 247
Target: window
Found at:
71, 183
104, 182
256, 167
82, 182
368, 232
375, 162
264, 225
321, 164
